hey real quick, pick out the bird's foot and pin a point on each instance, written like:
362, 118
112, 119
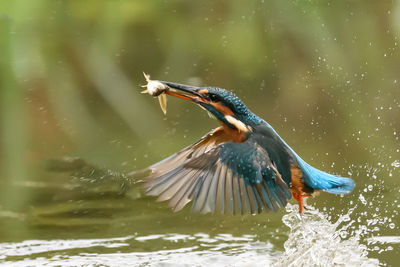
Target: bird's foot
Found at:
299, 197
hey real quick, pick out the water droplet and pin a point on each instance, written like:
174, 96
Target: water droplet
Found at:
396, 163
362, 199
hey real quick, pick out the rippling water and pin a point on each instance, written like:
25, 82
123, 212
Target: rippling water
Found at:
97, 225
312, 241
220, 250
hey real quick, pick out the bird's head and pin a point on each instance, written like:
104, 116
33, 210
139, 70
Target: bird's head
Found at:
221, 103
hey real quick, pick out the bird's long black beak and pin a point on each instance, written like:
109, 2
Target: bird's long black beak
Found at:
182, 87
183, 91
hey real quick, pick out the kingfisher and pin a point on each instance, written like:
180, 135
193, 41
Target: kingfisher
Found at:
241, 167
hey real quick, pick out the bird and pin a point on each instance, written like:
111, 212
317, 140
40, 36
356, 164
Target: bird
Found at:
241, 167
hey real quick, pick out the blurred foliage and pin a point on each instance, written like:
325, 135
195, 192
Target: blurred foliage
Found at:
325, 74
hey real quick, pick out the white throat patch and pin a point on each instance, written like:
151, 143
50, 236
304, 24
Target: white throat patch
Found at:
237, 123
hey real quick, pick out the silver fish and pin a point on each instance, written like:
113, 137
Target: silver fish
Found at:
156, 88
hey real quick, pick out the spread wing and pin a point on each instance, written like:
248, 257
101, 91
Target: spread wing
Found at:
219, 176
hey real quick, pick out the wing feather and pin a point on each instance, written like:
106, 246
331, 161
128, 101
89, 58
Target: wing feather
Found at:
258, 198
220, 201
215, 137
157, 187
228, 190
205, 190
172, 188
275, 207
245, 198
184, 190
263, 197
209, 204
219, 175
237, 198
188, 196
252, 199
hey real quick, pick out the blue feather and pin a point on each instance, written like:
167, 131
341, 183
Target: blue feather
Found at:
320, 180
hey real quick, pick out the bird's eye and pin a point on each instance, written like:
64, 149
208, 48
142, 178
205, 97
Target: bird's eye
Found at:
213, 97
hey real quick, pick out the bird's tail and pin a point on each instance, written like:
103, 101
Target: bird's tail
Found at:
320, 180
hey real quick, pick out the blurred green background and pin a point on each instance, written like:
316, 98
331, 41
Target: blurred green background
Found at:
324, 74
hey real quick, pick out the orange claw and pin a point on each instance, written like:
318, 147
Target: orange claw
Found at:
299, 197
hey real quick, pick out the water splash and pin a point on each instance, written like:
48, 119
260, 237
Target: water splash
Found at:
312, 241
315, 241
